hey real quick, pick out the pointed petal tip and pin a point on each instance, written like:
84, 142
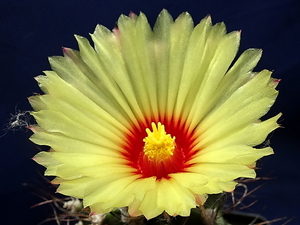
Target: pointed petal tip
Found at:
50, 59
78, 37
208, 18
164, 12
64, 49
116, 32
33, 158
132, 15
273, 82
277, 117
31, 128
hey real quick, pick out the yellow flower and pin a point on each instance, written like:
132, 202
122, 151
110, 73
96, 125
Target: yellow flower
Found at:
153, 119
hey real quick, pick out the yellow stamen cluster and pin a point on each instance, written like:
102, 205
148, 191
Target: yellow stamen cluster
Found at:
158, 144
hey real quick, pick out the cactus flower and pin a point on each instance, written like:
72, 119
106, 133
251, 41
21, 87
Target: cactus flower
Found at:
153, 119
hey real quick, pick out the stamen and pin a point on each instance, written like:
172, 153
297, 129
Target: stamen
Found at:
159, 145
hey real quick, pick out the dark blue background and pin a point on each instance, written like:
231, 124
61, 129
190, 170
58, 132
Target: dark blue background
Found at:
32, 30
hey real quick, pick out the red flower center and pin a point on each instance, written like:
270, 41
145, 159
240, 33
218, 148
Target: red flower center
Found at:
160, 151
